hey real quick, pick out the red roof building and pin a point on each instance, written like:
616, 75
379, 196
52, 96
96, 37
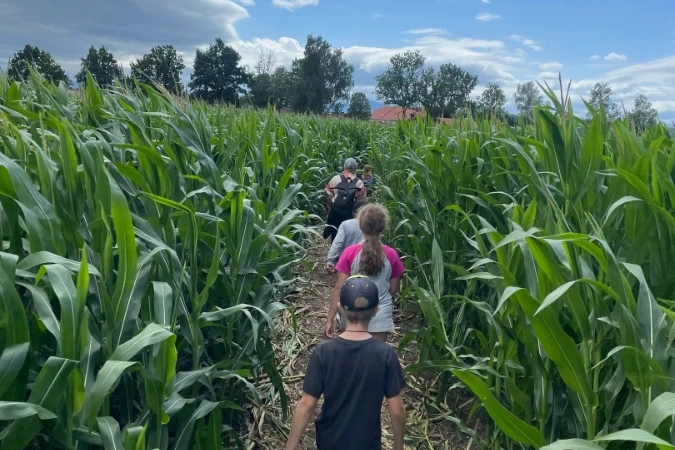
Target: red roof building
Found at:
389, 114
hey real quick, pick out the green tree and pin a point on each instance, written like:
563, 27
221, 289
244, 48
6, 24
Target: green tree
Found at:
401, 83
163, 64
601, 99
102, 66
321, 78
445, 92
644, 115
217, 75
274, 89
261, 93
527, 97
261, 90
282, 87
359, 106
41, 61
493, 99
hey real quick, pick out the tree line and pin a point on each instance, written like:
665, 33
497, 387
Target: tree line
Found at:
445, 92
318, 82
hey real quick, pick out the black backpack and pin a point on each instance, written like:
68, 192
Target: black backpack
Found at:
345, 196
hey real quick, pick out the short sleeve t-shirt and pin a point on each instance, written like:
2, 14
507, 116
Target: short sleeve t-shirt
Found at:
350, 254
332, 184
354, 377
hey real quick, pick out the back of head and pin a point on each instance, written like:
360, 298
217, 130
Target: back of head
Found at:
373, 220
359, 299
350, 165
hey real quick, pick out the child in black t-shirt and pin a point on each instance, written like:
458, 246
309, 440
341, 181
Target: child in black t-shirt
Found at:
354, 372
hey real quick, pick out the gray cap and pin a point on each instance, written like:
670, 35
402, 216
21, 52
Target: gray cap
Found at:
350, 164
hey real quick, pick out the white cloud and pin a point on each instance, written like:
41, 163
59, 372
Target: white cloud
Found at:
285, 50
615, 57
427, 31
547, 76
594, 57
127, 30
246, 2
490, 60
489, 54
485, 1
550, 66
526, 42
377, 16
655, 79
487, 17
292, 5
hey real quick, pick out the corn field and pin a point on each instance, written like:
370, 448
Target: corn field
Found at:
147, 243
542, 263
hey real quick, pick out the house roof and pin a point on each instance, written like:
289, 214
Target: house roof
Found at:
393, 113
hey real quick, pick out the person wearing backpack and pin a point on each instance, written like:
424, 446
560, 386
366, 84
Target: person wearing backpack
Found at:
343, 190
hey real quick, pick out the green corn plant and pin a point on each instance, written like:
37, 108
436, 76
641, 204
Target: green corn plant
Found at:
144, 243
537, 256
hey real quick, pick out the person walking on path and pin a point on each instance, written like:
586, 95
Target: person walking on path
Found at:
354, 372
368, 179
380, 262
348, 234
343, 190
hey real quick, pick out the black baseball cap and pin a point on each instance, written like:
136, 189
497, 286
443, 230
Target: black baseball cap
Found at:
359, 293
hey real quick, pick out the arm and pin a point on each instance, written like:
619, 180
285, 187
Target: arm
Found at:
334, 300
394, 286
397, 414
394, 384
329, 194
336, 248
301, 417
329, 198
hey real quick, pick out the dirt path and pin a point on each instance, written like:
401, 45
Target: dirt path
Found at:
301, 329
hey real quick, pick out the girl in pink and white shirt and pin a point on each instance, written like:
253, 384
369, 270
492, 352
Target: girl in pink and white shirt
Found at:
379, 262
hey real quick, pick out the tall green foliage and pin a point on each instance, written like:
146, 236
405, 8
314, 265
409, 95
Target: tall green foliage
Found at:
540, 259
145, 244
144, 247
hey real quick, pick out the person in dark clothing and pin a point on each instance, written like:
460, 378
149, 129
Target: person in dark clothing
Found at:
343, 191
368, 179
354, 372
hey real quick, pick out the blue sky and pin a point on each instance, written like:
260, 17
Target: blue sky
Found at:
629, 44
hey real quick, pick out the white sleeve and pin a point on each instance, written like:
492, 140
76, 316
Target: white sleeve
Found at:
337, 247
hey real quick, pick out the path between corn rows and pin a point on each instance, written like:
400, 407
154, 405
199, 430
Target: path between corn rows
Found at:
309, 305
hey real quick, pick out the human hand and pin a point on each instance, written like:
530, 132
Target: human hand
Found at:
330, 269
329, 329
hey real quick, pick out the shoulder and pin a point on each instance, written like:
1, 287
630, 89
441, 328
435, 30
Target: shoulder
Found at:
397, 267
390, 253
351, 224
323, 347
352, 250
344, 265
335, 180
387, 352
